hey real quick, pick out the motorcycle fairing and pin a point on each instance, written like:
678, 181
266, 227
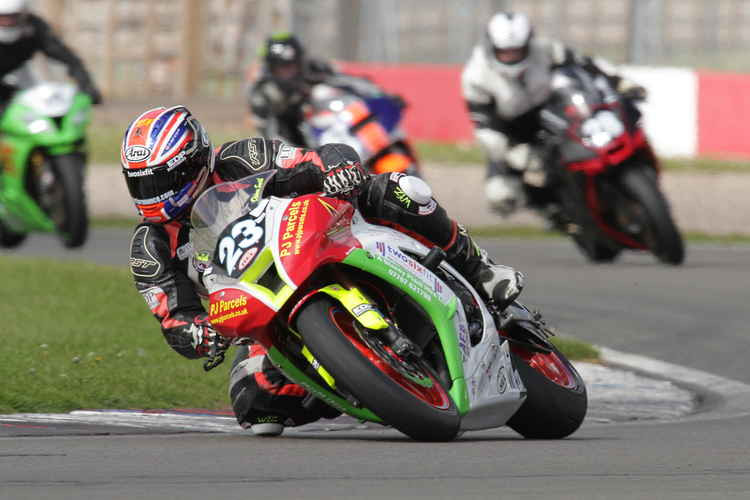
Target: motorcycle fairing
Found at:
56, 126
486, 388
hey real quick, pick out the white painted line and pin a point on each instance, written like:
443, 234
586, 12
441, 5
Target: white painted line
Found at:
735, 395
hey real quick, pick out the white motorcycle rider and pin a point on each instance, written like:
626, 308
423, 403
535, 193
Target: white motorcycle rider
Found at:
504, 82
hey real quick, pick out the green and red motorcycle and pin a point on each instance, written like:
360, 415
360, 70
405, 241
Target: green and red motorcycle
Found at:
372, 322
42, 163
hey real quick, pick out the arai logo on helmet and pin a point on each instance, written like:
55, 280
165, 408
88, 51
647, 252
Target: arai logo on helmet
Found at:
137, 153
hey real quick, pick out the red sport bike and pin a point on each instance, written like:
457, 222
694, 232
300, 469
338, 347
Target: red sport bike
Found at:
601, 177
374, 323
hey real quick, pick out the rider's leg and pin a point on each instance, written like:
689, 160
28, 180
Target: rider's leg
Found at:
407, 203
264, 400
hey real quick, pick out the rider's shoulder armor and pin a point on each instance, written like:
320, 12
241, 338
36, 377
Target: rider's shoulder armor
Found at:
156, 249
244, 157
149, 252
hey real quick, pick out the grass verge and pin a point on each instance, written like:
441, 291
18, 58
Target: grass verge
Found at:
467, 153
530, 232
517, 232
82, 337
576, 349
105, 138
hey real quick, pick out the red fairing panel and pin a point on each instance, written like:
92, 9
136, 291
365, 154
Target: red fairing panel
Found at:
235, 313
314, 231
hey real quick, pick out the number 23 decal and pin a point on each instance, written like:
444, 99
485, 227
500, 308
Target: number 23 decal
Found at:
243, 235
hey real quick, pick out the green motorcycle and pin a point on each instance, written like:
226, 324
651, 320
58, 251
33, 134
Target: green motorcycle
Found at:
42, 163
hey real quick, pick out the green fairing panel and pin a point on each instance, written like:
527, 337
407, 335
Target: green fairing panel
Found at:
439, 312
322, 393
17, 208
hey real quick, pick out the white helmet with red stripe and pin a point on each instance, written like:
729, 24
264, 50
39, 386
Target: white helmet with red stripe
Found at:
507, 42
13, 19
166, 159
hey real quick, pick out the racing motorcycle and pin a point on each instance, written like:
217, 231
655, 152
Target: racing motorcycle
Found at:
42, 162
369, 123
372, 322
600, 179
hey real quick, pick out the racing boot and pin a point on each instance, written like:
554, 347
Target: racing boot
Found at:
500, 284
264, 400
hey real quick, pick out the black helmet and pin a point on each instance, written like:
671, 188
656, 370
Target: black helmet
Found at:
283, 50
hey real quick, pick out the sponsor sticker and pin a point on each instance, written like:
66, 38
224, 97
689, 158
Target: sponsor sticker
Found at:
291, 234
141, 172
221, 311
247, 258
137, 153
361, 309
185, 251
144, 267
502, 382
257, 160
179, 158
153, 297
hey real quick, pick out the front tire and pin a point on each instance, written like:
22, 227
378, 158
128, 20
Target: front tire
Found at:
660, 233
10, 238
64, 198
424, 414
556, 400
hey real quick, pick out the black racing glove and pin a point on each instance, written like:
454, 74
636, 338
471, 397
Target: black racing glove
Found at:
205, 339
343, 173
93, 92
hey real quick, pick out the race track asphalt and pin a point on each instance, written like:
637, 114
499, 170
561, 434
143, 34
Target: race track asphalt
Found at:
695, 315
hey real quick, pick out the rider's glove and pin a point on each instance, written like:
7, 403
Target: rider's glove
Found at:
631, 90
398, 100
93, 92
205, 340
342, 169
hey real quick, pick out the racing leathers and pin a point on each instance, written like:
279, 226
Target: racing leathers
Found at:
503, 103
170, 280
38, 37
276, 104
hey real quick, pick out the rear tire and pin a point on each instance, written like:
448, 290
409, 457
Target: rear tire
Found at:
662, 235
551, 410
337, 350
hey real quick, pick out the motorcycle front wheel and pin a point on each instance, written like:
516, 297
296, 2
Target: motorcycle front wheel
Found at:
648, 205
10, 238
556, 400
61, 195
405, 394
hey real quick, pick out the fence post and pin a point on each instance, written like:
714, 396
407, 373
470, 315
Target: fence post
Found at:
349, 32
109, 50
645, 34
190, 58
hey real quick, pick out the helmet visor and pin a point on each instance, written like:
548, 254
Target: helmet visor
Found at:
512, 55
10, 20
154, 184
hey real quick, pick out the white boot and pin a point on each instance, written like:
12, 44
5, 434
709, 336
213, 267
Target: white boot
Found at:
505, 194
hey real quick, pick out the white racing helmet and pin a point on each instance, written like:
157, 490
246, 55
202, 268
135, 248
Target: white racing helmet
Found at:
507, 42
12, 19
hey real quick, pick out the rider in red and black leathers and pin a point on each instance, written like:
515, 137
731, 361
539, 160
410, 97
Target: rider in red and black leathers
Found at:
170, 279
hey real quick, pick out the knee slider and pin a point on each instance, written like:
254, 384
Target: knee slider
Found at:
416, 189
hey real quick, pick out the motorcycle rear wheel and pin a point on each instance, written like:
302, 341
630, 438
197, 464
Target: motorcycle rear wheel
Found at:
422, 412
556, 400
661, 234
